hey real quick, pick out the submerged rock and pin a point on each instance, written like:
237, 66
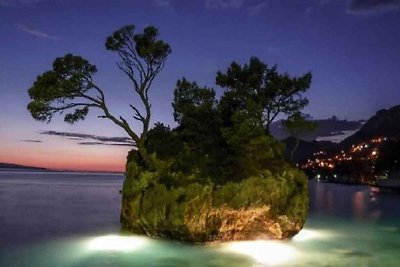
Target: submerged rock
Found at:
262, 207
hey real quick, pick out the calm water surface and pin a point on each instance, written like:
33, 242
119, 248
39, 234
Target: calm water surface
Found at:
72, 219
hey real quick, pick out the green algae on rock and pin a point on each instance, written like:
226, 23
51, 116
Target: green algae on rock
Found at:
258, 207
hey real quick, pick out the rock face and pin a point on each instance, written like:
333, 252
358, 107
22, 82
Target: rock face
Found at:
262, 207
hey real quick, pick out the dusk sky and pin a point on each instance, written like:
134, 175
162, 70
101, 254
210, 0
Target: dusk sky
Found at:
351, 47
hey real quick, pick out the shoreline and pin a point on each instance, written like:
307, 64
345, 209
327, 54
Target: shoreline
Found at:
386, 188
38, 170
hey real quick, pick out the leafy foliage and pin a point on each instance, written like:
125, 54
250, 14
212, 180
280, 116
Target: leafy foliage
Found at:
299, 124
227, 140
69, 86
191, 100
52, 92
163, 142
262, 91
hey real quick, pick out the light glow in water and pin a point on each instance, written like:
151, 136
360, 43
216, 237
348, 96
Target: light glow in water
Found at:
306, 235
116, 243
264, 252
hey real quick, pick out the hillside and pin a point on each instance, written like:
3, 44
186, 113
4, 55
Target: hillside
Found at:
366, 157
385, 123
16, 166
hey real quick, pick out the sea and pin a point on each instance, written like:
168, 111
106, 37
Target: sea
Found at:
72, 219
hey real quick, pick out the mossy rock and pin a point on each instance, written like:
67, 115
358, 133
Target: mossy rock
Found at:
265, 206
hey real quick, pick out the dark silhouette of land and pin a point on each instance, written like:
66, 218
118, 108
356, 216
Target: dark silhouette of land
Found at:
21, 167
368, 156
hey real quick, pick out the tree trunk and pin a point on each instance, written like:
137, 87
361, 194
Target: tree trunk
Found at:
142, 150
294, 149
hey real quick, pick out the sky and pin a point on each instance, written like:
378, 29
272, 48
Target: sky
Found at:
352, 48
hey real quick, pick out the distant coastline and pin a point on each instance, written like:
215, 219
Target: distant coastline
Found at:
17, 167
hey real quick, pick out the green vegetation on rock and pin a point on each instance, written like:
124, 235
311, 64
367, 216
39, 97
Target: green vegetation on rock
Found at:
268, 206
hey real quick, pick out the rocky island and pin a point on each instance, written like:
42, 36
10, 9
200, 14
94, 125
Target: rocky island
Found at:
219, 175
259, 207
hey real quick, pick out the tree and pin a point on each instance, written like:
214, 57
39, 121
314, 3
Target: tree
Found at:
162, 141
262, 91
297, 126
228, 139
188, 97
196, 112
69, 86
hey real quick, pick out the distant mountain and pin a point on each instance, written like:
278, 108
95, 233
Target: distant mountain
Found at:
385, 123
331, 129
16, 166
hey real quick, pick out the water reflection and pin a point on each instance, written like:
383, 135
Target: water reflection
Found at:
333, 243
347, 245
347, 226
351, 202
359, 205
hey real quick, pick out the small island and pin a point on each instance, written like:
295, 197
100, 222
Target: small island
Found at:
219, 175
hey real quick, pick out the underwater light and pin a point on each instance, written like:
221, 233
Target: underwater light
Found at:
265, 252
116, 243
306, 234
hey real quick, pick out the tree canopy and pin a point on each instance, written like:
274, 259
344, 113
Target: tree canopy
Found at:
70, 88
221, 139
262, 91
228, 138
